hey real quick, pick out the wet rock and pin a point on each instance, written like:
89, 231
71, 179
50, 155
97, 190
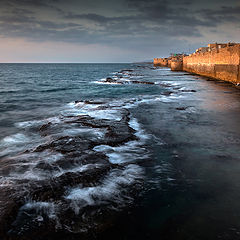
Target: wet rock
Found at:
126, 70
65, 145
45, 126
111, 80
93, 102
44, 129
186, 90
9, 205
54, 189
181, 108
142, 82
108, 79
167, 93
37, 207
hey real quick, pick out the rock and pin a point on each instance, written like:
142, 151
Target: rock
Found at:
108, 79
93, 102
126, 70
37, 207
142, 82
167, 93
9, 206
181, 108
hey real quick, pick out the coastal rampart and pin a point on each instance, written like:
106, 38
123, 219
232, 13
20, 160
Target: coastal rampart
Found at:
163, 62
176, 64
220, 63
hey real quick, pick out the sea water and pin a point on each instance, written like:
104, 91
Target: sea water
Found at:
184, 157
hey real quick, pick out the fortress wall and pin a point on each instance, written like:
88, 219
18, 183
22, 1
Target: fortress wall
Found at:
176, 65
220, 63
160, 62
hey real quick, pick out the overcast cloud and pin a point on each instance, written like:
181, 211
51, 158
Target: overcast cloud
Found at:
139, 28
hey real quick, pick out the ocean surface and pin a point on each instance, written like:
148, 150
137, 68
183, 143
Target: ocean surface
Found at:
117, 151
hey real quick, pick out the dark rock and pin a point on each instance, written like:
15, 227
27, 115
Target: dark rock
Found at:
21, 222
45, 126
167, 93
186, 90
181, 108
9, 206
93, 102
108, 79
54, 189
126, 70
142, 82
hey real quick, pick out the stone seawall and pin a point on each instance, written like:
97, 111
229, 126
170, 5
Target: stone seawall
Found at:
220, 63
163, 62
176, 64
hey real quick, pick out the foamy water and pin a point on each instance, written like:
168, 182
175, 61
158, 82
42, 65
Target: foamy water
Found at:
63, 158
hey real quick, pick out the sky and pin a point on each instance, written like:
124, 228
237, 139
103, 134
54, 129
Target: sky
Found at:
112, 30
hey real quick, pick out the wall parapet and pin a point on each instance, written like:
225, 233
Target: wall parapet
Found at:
219, 63
217, 60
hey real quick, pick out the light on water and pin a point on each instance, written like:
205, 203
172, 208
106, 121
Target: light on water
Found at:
95, 144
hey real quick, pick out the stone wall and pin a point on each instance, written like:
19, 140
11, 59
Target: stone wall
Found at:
220, 63
176, 65
163, 62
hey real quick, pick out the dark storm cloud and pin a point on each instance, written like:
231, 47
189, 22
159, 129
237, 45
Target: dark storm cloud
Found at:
58, 20
90, 16
33, 3
223, 14
169, 12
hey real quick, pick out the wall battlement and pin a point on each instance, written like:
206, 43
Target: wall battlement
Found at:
220, 61
160, 62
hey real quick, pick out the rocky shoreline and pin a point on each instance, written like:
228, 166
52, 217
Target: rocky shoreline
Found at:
79, 191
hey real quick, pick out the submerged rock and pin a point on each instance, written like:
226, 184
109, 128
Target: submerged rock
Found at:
186, 90
142, 82
64, 185
181, 108
108, 79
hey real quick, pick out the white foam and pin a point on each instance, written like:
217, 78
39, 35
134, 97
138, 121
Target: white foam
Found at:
102, 148
129, 152
140, 133
27, 124
47, 208
108, 83
92, 110
25, 165
79, 169
46, 156
111, 189
106, 114
17, 138
5, 181
81, 131
121, 157
33, 123
29, 175
191, 110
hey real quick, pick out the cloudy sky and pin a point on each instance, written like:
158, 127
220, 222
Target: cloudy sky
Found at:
112, 30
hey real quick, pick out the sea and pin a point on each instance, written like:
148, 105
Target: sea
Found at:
117, 151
